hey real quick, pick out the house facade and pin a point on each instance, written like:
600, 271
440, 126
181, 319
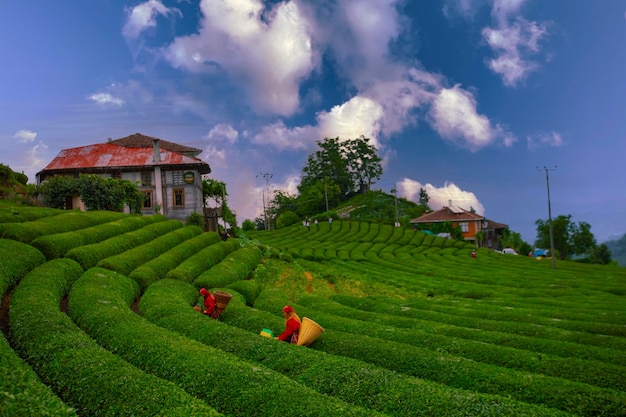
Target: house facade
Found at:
169, 174
468, 222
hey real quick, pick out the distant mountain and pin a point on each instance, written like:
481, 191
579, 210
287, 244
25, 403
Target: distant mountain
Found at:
618, 250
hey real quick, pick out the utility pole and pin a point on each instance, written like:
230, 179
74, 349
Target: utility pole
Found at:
267, 177
550, 214
395, 193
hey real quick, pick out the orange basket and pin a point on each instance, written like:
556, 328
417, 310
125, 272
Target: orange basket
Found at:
221, 301
309, 331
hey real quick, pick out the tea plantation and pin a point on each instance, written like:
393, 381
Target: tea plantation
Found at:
97, 320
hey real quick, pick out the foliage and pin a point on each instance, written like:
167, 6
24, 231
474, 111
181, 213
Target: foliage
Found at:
287, 218
96, 192
423, 200
195, 219
248, 225
213, 189
569, 238
511, 239
351, 164
618, 249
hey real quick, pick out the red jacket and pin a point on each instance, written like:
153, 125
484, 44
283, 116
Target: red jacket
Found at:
292, 326
209, 305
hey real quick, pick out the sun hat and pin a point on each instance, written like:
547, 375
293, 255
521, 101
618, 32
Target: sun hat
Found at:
287, 309
204, 291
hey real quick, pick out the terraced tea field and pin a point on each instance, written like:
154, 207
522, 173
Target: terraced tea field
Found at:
97, 320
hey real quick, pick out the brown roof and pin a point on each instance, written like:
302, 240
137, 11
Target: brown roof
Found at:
495, 225
104, 156
138, 140
452, 214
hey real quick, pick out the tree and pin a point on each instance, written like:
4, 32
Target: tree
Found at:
216, 190
56, 190
601, 255
248, 225
363, 163
349, 164
511, 239
424, 198
570, 238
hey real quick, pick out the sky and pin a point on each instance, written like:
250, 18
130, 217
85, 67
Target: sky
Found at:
483, 103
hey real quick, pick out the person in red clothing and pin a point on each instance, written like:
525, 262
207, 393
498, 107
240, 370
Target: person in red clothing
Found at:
209, 303
292, 326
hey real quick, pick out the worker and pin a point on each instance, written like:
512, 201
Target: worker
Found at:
209, 303
292, 326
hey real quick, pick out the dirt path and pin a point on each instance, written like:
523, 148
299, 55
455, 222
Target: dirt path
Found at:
309, 279
4, 314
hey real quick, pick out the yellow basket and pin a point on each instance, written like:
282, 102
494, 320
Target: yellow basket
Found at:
221, 301
309, 331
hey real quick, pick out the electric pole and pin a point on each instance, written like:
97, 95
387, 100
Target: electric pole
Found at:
267, 177
550, 214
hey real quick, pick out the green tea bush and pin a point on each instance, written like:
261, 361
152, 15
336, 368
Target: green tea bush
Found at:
166, 303
92, 380
126, 262
57, 245
88, 256
191, 268
236, 266
158, 267
249, 289
19, 214
16, 259
67, 221
23, 393
99, 303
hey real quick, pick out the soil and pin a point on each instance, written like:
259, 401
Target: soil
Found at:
4, 314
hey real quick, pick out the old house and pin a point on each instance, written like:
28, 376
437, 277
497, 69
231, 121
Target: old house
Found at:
169, 174
468, 222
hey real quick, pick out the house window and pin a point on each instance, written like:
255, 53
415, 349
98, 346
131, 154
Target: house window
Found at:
146, 178
177, 177
179, 197
464, 227
147, 199
116, 175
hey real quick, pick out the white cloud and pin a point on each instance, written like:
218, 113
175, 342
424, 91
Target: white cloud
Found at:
544, 139
25, 136
106, 98
440, 197
223, 132
267, 53
142, 17
513, 41
453, 115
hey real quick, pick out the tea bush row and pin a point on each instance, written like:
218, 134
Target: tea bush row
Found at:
19, 214
127, 261
21, 391
89, 255
410, 331
92, 380
234, 267
167, 304
99, 303
67, 221
562, 349
191, 268
160, 265
57, 245
458, 372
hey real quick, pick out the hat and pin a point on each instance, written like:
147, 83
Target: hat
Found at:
287, 309
204, 291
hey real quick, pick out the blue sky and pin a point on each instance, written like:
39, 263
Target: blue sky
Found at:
465, 98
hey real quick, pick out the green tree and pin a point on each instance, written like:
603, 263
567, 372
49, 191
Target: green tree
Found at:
248, 225
363, 163
56, 190
601, 255
511, 239
216, 190
570, 238
350, 164
287, 218
423, 200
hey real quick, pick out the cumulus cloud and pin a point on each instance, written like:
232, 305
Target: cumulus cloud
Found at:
267, 52
449, 194
553, 139
142, 17
223, 132
513, 41
106, 98
454, 116
25, 136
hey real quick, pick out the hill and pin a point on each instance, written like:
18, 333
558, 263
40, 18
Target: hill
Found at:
618, 250
99, 306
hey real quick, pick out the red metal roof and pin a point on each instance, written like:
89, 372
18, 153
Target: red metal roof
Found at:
108, 155
452, 214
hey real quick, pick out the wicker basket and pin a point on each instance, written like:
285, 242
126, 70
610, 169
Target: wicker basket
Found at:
221, 301
309, 331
